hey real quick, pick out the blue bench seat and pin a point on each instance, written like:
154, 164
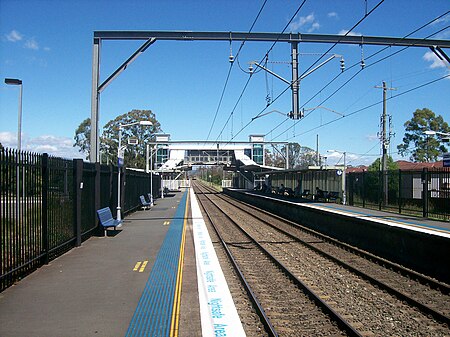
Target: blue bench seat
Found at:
106, 219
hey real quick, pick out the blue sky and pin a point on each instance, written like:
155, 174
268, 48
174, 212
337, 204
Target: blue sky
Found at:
48, 44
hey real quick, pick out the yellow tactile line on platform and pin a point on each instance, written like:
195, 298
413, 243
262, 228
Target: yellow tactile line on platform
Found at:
144, 264
175, 322
136, 267
140, 266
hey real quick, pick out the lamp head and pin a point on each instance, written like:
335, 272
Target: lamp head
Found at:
13, 81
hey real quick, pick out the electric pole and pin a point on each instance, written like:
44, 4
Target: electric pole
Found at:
385, 141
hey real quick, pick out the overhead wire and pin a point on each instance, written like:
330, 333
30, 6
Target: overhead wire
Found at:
287, 88
374, 104
265, 55
366, 154
354, 65
230, 68
367, 66
337, 42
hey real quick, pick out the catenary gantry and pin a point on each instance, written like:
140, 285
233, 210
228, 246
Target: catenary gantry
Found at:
293, 38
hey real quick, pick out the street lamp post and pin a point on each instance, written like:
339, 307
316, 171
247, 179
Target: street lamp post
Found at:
120, 161
14, 81
149, 169
151, 177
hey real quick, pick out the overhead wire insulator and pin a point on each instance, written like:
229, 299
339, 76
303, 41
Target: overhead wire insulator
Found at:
342, 64
250, 68
231, 57
362, 63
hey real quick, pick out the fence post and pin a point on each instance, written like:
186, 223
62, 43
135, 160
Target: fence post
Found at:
425, 192
399, 191
44, 209
350, 180
77, 186
363, 189
97, 186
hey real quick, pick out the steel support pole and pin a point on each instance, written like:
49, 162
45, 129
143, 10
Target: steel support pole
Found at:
19, 158
151, 176
384, 149
95, 96
295, 81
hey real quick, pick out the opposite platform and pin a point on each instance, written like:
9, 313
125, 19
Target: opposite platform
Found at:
416, 243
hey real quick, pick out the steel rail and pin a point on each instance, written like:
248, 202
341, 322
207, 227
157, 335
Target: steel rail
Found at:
339, 320
402, 296
443, 287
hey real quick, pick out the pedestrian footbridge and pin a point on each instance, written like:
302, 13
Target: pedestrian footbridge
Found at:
175, 157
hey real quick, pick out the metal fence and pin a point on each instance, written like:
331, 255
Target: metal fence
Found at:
423, 193
306, 181
48, 206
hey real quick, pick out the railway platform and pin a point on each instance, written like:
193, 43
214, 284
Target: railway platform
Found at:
125, 284
157, 275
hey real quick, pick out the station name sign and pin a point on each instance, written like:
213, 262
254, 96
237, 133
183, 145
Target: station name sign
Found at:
447, 159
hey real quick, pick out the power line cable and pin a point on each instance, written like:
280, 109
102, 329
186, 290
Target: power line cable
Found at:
357, 73
230, 68
334, 45
358, 63
374, 104
274, 100
265, 55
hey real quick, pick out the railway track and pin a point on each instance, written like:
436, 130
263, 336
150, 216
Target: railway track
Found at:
356, 293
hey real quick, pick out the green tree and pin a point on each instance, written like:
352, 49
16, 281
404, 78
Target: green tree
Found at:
373, 180
109, 140
426, 148
376, 165
83, 137
301, 156
275, 157
134, 154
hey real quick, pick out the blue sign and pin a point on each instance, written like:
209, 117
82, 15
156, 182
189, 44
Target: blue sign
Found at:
120, 162
447, 159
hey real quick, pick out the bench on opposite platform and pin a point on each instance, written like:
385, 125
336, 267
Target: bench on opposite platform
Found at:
333, 196
106, 219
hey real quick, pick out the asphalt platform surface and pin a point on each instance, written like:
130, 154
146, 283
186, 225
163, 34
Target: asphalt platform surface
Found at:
93, 290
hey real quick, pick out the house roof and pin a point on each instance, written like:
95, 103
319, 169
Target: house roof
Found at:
409, 166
